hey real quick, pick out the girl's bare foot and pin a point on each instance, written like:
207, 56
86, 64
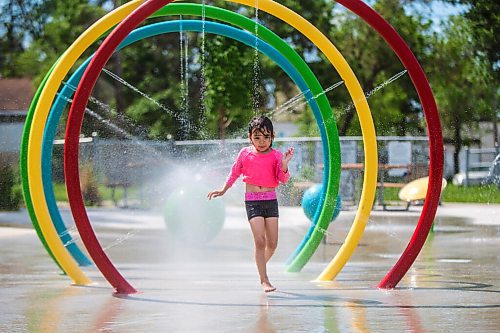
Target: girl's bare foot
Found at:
268, 287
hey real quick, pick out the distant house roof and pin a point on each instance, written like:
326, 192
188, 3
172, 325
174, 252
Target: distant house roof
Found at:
15, 95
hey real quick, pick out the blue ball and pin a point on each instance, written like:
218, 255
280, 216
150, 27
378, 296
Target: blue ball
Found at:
310, 201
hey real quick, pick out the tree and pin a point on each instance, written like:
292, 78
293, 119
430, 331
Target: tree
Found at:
484, 22
208, 98
461, 82
42, 30
483, 17
21, 22
396, 109
232, 95
194, 95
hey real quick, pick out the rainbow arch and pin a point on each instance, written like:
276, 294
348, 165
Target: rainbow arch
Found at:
132, 14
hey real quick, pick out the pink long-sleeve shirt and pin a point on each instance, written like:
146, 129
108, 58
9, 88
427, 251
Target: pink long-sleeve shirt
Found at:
261, 169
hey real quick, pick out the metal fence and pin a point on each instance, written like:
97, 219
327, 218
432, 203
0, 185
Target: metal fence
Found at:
478, 162
154, 168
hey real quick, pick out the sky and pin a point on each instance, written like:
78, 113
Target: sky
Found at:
438, 11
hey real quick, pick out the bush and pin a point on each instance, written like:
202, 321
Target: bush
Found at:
90, 186
10, 189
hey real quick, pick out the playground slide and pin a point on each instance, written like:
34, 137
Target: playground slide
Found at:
417, 189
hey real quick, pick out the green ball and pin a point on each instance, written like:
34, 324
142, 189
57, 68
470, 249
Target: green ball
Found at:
191, 217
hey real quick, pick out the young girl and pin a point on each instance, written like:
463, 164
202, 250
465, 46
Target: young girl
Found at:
263, 168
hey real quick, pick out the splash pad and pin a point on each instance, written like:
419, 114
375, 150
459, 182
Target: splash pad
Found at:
132, 14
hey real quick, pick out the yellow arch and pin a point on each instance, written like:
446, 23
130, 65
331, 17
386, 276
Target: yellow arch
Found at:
113, 18
365, 119
40, 115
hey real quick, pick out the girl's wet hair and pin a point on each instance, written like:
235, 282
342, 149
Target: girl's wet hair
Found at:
262, 124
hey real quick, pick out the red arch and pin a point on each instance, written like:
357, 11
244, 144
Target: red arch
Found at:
74, 125
436, 148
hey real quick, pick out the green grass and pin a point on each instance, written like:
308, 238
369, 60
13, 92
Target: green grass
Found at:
476, 194
390, 194
452, 193
60, 192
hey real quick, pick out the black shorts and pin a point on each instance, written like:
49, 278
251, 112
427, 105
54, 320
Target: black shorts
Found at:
264, 208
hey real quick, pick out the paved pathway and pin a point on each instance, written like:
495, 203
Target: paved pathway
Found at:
453, 287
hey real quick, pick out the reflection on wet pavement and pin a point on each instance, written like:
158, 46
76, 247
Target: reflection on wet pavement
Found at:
452, 287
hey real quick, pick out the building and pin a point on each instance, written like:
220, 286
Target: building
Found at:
15, 98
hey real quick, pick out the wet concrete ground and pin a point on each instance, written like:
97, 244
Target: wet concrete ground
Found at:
454, 286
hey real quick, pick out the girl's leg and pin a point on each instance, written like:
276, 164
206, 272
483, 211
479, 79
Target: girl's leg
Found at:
271, 224
257, 224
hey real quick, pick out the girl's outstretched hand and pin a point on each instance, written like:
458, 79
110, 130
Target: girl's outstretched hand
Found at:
287, 156
215, 194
